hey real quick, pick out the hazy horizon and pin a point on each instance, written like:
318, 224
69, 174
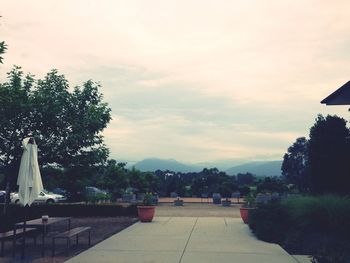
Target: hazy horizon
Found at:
194, 81
222, 162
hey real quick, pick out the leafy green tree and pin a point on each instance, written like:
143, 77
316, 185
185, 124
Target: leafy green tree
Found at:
66, 125
14, 118
272, 184
199, 186
137, 180
227, 186
295, 164
52, 177
113, 177
245, 179
153, 182
329, 156
3, 48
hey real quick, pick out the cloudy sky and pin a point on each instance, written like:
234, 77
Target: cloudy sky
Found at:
191, 80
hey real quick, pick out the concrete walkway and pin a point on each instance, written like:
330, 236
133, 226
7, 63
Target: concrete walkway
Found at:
185, 240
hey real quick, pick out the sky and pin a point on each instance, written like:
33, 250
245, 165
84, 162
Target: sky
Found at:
195, 81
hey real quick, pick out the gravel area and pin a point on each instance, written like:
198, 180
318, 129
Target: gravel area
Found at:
102, 228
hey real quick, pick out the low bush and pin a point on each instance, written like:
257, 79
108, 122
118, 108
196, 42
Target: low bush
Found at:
318, 226
95, 198
269, 222
328, 214
16, 212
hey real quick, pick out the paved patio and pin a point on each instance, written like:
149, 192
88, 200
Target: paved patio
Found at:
185, 240
198, 210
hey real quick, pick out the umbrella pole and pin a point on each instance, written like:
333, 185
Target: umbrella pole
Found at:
24, 232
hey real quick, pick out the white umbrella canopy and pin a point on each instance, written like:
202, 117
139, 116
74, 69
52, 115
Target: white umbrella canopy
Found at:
29, 178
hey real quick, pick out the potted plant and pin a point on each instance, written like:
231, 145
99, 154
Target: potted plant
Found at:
217, 198
178, 202
147, 209
247, 206
226, 202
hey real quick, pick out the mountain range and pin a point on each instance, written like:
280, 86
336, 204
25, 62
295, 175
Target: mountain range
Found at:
266, 168
259, 168
153, 164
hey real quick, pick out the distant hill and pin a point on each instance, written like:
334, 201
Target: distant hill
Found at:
153, 164
267, 168
262, 168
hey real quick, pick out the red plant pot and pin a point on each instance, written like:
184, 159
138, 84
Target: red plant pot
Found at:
245, 214
146, 213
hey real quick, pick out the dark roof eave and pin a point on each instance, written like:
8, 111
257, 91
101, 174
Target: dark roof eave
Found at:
338, 92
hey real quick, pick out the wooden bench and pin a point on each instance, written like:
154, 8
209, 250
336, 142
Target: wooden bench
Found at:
69, 234
11, 235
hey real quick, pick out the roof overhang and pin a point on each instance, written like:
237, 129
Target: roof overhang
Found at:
339, 97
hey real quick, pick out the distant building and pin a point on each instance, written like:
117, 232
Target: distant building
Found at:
339, 97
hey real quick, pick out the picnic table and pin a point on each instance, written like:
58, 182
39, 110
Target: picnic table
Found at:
43, 226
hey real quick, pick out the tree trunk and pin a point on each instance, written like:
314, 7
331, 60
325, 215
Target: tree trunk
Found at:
9, 177
7, 194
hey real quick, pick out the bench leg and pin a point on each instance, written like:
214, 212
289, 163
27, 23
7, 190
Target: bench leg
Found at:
68, 246
14, 245
43, 244
53, 247
2, 248
89, 237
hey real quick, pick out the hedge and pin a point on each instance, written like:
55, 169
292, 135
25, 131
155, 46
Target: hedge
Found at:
16, 212
310, 225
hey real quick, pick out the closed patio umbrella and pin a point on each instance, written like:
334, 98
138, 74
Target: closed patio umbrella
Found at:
29, 179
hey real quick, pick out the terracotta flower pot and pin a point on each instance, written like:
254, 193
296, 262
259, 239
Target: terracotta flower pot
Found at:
146, 213
244, 211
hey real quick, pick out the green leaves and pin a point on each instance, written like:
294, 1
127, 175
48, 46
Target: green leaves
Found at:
65, 124
321, 163
3, 48
328, 156
295, 164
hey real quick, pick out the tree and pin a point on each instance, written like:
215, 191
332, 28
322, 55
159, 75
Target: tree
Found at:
153, 182
246, 178
295, 164
142, 182
66, 125
69, 123
113, 177
3, 48
329, 156
14, 113
272, 184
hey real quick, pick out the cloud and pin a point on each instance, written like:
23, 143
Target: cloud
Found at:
191, 80
166, 136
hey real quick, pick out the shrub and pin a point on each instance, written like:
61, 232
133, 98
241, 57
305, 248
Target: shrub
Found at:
307, 225
322, 227
95, 198
269, 222
325, 214
148, 199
